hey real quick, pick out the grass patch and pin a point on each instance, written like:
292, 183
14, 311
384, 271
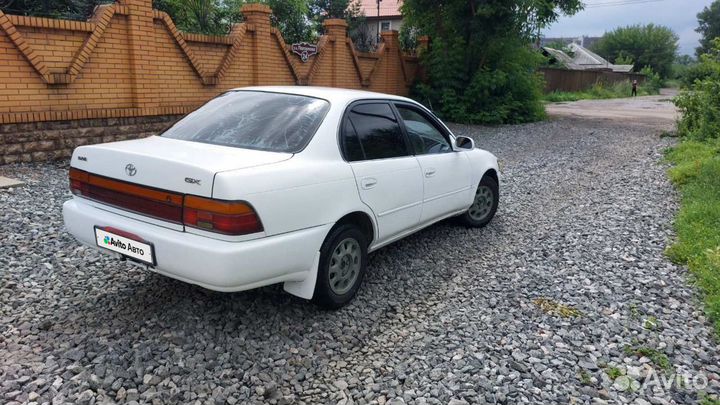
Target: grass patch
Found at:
657, 357
673, 83
696, 172
585, 378
600, 91
614, 373
555, 308
709, 399
650, 323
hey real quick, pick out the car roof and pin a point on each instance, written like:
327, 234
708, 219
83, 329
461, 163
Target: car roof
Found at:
331, 94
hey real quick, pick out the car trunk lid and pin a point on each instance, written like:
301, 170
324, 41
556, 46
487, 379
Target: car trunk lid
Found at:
169, 164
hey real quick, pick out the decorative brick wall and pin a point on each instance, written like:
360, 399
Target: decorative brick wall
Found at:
49, 140
129, 60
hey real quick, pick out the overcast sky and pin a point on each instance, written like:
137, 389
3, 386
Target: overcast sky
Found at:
680, 15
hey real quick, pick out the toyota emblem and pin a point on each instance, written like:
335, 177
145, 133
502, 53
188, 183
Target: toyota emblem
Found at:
130, 169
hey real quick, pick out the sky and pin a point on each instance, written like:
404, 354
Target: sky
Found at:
679, 15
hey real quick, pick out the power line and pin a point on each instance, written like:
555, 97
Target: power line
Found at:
620, 3
611, 2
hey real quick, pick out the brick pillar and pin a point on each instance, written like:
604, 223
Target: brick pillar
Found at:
393, 62
142, 46
336, 27
257, 17
391, 39
336, 30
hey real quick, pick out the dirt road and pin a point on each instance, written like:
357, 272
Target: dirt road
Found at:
647, 110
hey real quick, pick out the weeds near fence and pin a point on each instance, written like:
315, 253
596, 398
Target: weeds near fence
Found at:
601, 91
651, 86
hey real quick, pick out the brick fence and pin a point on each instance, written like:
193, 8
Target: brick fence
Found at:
128, 71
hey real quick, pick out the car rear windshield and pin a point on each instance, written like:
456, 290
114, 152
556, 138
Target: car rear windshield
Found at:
254, 120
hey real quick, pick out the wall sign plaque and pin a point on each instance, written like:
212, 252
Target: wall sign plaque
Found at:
305, 50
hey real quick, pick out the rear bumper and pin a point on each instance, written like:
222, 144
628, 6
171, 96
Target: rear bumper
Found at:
210, 263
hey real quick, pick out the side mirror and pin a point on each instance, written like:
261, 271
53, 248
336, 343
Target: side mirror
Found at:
464, 143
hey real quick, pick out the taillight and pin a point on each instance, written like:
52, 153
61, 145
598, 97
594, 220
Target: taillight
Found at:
226, 217
148, 201
78, 181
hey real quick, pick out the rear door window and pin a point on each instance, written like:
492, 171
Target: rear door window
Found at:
371, 131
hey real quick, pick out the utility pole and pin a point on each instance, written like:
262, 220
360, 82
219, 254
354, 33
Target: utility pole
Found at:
378, 21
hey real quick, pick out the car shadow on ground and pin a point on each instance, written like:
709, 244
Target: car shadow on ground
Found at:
148, 305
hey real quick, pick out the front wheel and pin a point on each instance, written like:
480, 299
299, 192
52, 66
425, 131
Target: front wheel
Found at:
343, 258
485, 203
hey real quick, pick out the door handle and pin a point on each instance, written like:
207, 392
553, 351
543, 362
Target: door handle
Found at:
429, 172
368, 183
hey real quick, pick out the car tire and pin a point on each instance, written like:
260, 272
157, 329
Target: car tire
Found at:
343, 259
485, 203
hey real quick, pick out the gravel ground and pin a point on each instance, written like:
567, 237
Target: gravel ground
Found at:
565, 298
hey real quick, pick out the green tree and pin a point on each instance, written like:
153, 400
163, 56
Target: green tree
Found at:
214, 17
289, 16
200, 16
709, 27
350, 10
66, 9
647, 45
481, 66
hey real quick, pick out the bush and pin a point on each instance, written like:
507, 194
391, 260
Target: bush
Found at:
604, 91
507, 90
653, 83
699, 71
700, 109
700, 103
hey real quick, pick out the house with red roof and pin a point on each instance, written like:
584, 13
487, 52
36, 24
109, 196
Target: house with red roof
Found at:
382, 14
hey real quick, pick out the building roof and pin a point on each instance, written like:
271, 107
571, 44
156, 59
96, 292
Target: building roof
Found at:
582, 58
388, 8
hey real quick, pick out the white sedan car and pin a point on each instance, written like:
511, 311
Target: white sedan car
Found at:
268, 185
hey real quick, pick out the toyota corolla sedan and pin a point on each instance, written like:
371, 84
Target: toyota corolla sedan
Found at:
266, 185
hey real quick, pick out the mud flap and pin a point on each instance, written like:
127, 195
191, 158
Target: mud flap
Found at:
305, 288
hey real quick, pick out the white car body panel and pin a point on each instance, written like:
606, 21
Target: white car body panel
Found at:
447, 179
393, 189
213, 264
298, 198
165, 163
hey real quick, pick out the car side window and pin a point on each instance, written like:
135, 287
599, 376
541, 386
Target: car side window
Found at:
424, 135
351, 143
370, 132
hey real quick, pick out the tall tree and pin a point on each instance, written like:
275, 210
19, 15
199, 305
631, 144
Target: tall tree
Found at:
709, 27
321, 9
200, 16
67, 9
649, 45
480, 65
289, 16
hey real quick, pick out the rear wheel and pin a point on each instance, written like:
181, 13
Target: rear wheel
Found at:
343, 258
485, 204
